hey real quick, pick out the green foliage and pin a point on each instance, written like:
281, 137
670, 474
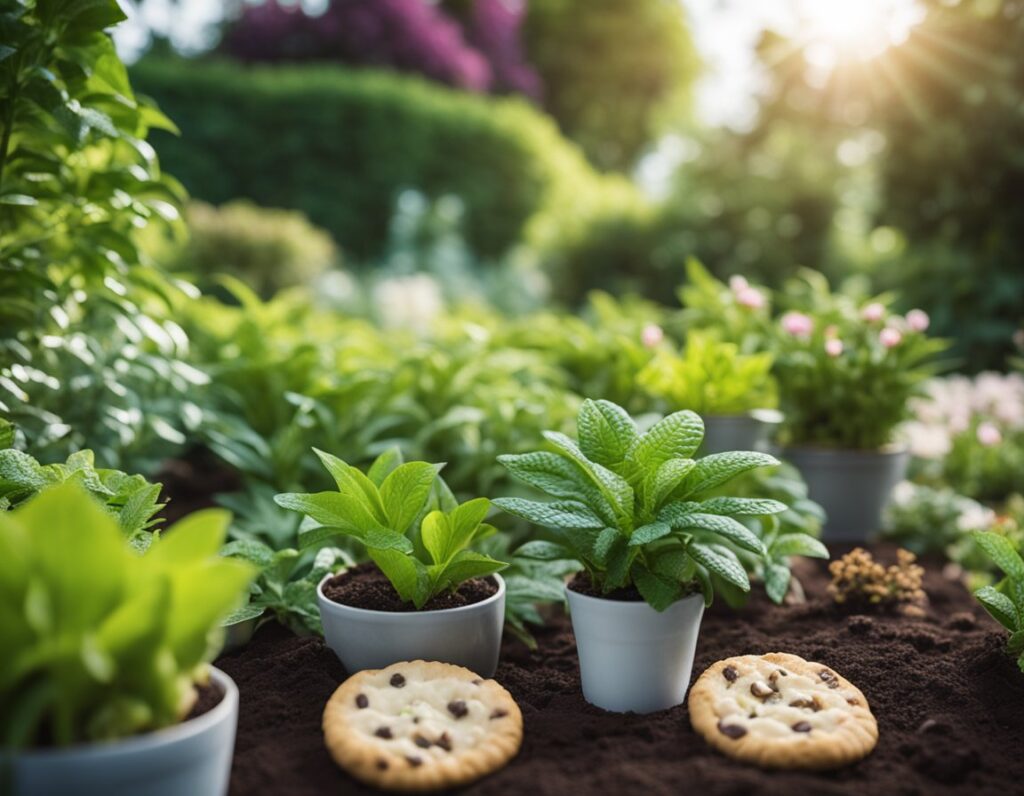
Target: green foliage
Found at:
384, 509
1005, 600
286, 584
101, 641
267, 249
364, 137
928, 520
614, 73
710, 377
636, 509
130, 499
988, 472
711, 305
855, 395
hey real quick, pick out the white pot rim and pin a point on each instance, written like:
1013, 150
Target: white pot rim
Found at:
625, 606
98, 750
403, 616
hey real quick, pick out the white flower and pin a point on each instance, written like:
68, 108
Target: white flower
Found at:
408, 302
738, 283
890, 337
652, 335
918, 320
989, 434
834, 347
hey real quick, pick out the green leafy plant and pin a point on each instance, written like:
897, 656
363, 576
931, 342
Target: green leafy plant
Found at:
710, 377
1005, 600
131, 499
102, 641
636, 509
422, 552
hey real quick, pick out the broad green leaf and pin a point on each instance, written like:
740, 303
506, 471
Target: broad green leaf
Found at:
798, 544
675, 437
407, 575
197, 536
335, 509
725, 527
742, 507
405, 492
558, 477
542, 551
999, 606
678, 511
435, 533
603, 544
250, 550
776, 582
384, 465
620, 559
560, 514
649, 533
674, 563
467, 565
606, 432
663, 481
657, 590
139, 509
721, 564
351, 481
615, 488
718, 468
1003, 555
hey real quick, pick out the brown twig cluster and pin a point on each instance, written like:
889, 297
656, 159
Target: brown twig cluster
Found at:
858, 578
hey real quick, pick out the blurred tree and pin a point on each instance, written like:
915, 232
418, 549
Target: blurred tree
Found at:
615, 72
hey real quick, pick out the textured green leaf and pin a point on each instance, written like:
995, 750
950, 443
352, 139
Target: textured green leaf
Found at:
606, 432
384, 465
542, 551
657, 590
725, 527
405, 492
999, 606
663, 481
251, 550
674, 563
558, 514
776, 582
649, 533
1002, 553
615, 488
558, 477
351, 481
339, 510
467, 565
721, 564
675, 437
742, 507
620, 559
407, 575
603, 544
798, 544
718, 468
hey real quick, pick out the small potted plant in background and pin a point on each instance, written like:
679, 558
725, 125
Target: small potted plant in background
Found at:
846, 372
425, 595
634, 510
730, 390
106, 686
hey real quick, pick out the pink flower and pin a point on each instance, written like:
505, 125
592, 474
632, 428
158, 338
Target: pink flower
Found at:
737, 284
873, 312
652, 335
750, 297
918, 320
890, 337
989, 434
834, 347
797, 324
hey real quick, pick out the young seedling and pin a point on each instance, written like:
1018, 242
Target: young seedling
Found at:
636, 509
407, 520
1005, 600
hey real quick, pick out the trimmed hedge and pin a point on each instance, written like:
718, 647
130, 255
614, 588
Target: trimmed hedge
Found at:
340, 144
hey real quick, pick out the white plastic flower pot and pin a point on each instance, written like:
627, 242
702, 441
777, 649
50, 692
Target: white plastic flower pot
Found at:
193, 757
852, 486
238, 634
468, 636
633, 658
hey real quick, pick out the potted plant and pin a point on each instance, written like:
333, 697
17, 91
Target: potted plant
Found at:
846, 372
426, 595
106, 686
634, 510
730, 390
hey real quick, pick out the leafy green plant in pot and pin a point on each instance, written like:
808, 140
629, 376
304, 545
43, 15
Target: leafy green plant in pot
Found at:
733, 392
105, 647
634, 510
418, 539
847, 370
1005, 600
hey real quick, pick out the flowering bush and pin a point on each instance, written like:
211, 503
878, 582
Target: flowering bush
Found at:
846, 369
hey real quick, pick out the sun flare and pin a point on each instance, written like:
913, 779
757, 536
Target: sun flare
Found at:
843, 30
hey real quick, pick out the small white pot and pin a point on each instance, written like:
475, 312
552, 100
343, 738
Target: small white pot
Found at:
633, 658
193, 757
238, 634
468, 636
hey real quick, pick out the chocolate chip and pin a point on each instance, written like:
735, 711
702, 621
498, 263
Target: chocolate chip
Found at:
382, 764
852, 701
730, 673
828, 678
445, 742
498, 713
458, 708
416, 720
804, 703
420, 741
801, 726
384, 732
762, 690
362, 701
477, 681
414, 761
783, 672
398, 681
733, 731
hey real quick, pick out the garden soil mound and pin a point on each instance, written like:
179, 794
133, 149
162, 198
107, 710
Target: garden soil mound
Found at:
949, 703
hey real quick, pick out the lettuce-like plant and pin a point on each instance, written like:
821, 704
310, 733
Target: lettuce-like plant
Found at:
101, 641
422, 552
1005, 600
635, 509
131, 499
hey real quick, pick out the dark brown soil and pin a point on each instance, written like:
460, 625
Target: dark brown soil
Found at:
582, 584
949, 704
210, 696
365, 586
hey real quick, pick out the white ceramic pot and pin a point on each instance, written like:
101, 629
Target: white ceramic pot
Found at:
633, 658
851, 486
191, 758
238, 634
468, 636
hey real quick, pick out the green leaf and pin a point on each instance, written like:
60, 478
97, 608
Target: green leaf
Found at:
349, 513
139, 509
649, 533
663, 481
620, 559
407, 575
726, 527
674, 563
776, 582
464, 566
742, 507
718, 468
603, 544
542, 551
249, 550
198, 536
798, 544
606, 432
1002, 553
657, 590
405, 492
999, 606
721, 564
351, 481
560, 514
675, 437
615, 489
384, 465
558, 477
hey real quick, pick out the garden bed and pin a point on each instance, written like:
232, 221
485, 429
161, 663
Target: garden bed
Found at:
949, 704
